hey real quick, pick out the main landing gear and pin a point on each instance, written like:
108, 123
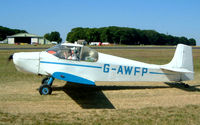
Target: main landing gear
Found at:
45, 88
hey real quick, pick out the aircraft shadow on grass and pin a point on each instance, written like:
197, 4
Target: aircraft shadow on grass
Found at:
184, 87
92, 97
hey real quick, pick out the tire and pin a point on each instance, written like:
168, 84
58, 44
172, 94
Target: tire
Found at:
45, 89
45, 80
186, 86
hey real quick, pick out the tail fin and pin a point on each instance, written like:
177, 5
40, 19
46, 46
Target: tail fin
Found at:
182, 62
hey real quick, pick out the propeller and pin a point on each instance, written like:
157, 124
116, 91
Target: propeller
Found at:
10, 57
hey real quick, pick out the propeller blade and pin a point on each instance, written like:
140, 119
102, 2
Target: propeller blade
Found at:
10, 57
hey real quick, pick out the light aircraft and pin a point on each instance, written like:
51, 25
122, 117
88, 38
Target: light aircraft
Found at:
81, 64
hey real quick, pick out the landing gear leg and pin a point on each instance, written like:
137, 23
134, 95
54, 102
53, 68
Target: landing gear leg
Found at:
45, 88
46, 80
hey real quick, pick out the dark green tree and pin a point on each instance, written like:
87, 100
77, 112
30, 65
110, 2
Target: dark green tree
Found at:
53, 36
192, 41
4, 32
125, 35
47, 36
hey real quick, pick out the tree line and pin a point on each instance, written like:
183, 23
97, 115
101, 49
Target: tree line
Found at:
53, 36
127, 36
4, 32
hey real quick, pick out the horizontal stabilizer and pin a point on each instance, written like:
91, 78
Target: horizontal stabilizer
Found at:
181, 70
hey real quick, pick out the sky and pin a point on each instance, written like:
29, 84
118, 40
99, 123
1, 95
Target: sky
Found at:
173, 17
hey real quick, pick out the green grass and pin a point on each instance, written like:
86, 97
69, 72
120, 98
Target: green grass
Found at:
8, 71
134, 103
188, 115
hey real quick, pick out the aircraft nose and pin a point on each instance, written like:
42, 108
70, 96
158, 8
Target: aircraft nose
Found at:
27, 61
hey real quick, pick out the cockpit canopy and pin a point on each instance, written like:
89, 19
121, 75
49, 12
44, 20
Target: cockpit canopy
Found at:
74, 52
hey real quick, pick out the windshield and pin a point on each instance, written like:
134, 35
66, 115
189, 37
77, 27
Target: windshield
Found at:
76, 53
66, 52
89, 54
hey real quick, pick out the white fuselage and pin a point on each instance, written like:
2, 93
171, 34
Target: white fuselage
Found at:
107, 68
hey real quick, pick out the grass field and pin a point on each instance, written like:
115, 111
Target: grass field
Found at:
109, 103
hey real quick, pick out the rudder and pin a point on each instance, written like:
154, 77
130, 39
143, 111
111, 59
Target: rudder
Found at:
183, 61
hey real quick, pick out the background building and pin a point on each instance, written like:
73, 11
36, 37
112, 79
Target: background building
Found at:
26, 38
82, 42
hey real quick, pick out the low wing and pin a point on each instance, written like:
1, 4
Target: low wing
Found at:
72, 78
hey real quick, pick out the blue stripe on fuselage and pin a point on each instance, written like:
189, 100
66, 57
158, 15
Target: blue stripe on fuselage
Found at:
160, 73
98, 67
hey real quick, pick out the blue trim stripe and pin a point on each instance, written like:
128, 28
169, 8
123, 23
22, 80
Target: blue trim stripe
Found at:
72, 78
68, 64
156, 73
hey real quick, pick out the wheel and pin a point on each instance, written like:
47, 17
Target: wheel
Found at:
186, 85
45, 80
45, 89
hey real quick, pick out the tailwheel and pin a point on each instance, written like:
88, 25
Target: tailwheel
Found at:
184, 85
45, 89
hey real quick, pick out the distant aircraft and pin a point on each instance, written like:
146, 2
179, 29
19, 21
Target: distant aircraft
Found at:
80, 64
